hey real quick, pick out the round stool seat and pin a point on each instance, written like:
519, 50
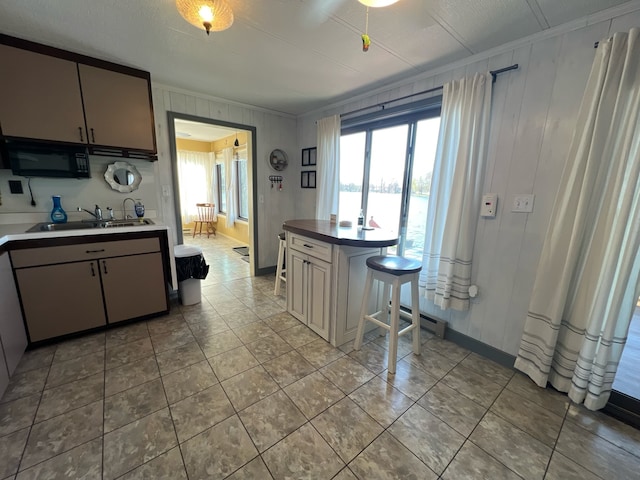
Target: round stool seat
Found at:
394, 265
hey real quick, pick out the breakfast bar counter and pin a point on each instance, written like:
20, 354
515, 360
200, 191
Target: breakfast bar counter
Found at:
331, 233
326, 270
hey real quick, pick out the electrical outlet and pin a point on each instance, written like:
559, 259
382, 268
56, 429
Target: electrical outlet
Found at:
165, 191
523, 203
15, 186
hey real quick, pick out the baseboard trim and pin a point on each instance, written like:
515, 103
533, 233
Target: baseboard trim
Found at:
266, 271
480, 348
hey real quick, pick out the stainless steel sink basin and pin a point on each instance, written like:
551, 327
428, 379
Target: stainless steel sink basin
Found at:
84, 225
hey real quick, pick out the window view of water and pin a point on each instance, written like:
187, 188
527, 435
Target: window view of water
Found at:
383, 207
386, 169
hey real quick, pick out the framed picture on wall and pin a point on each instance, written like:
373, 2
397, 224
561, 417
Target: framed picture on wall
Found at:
308, 179
308, 156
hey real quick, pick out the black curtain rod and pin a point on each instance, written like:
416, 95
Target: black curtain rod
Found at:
494, 74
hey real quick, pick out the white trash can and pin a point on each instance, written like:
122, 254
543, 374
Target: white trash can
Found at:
189, 289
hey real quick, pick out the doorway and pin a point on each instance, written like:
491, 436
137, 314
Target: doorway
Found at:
214, 162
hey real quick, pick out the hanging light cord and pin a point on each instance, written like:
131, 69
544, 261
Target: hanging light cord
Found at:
366, 22
366, 41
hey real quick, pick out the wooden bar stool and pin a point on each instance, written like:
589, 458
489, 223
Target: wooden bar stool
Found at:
281, 273
394, 272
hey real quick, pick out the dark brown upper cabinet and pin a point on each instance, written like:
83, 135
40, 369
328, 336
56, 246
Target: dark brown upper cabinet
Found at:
54, 95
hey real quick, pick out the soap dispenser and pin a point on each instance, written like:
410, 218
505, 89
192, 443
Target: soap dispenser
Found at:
139, 209
58, 215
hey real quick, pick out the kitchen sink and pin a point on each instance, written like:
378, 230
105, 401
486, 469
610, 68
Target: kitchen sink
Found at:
91, 224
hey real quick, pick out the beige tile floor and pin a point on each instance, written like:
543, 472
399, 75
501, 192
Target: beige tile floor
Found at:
236, 388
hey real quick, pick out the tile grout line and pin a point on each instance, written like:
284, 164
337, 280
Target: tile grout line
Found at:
26, 443
468, 438
317, 369
555, 443
104, 412
386, 430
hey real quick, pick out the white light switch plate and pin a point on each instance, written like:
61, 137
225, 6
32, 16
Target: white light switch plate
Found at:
523, 203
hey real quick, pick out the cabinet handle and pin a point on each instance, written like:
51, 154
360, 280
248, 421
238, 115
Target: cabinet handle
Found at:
307, 245
80, 132
93, 136
104, 267
93, 272
95, 251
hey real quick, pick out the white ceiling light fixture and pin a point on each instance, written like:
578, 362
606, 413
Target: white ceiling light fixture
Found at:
210, 15
377, 3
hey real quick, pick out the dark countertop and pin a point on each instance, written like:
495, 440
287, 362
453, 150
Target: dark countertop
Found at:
325, 231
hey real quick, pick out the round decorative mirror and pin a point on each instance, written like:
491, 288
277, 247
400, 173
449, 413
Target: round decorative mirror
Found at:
278, 160
123, 177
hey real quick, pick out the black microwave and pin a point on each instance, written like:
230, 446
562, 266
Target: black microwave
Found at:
30, 159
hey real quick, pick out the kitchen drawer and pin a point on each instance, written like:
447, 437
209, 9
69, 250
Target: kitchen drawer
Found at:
314, 248
87, 251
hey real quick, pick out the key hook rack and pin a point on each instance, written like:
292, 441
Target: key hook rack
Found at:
276, 180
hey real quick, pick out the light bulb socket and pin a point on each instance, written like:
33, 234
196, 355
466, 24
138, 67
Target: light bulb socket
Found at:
236, 143
207, 26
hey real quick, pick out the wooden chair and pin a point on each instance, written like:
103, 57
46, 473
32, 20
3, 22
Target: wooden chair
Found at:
206, 216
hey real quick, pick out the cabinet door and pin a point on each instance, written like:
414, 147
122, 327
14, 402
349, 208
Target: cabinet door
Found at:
61, 299
117, 108
40, 97
133, 286
297, 285
12, 334
319, 295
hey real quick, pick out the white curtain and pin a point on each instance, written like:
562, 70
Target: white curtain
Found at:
586, 284
328, 168
454, 204
232, 186
195, 174
214, 177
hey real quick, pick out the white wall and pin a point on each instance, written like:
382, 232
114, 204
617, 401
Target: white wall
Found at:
85, 193
273, 130
533, 115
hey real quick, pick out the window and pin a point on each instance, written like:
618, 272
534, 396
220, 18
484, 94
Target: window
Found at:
386, 166
351, 174
243, 189
241, 196
222, 187
195, 177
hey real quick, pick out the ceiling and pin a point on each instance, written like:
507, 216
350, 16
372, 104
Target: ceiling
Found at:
292, 56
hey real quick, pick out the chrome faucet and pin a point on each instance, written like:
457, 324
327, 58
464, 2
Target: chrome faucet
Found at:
124, 212
97, 213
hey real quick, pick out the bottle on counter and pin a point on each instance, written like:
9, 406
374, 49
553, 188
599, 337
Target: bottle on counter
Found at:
58, 215
139, 209
361, 220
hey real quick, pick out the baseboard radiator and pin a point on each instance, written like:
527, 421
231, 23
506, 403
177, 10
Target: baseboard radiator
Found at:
433, 325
